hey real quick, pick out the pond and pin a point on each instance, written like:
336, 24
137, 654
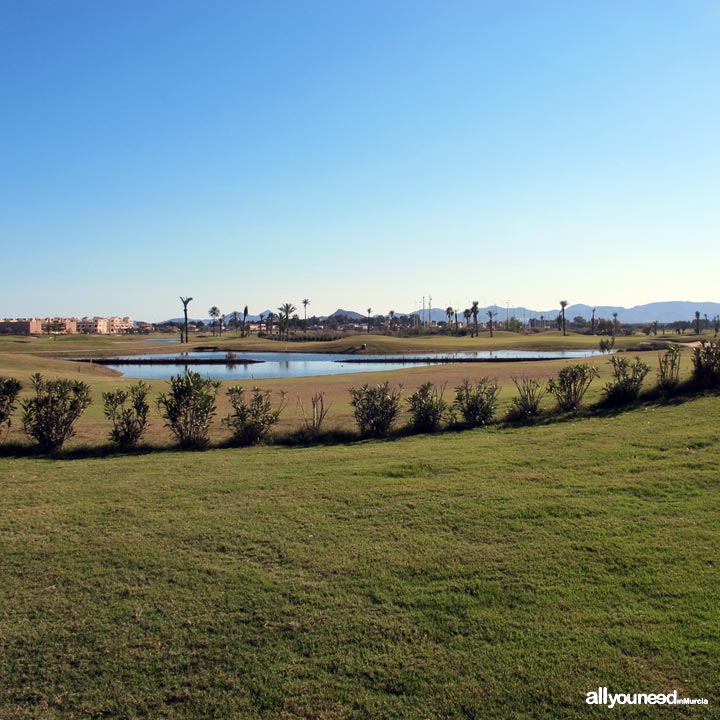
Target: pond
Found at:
289, 365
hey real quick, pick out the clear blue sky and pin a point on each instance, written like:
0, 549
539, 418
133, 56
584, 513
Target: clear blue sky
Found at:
357, 153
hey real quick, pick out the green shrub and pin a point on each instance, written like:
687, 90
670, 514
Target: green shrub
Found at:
627, 380
189, 407
50, 416
427, 408
375, 408
128, 422
526, 406
706, 364
571, 385
9, 389
477, 403
251, 421
668, 375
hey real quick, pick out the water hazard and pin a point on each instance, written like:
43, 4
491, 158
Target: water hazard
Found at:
290, 365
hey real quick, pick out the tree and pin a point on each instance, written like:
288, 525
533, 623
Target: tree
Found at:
306, 302
491, 315
467, 315
449, 312
616, 324
592, 323
563, 305
697, 322
185, 301
474, 310
391, 319
214, 313
369, 311
271, 317
235, 320
456, 321
244, 323
285, 311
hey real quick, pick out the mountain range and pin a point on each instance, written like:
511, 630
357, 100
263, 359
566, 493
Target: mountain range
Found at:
662, 312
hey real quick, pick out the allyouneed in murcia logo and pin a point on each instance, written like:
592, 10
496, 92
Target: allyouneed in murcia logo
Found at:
601, 696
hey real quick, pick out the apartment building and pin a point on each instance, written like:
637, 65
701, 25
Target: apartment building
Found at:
20, 326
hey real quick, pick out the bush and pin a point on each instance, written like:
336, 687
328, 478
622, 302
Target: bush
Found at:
128, 423
252, 421
313, 424
427, 408
375, 408
571, 385
477, 403
49, 417
9, 389
526, 406
189, 407
668, 375
706, 364
627, 380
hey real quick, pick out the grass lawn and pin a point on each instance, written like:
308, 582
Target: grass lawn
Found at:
500, 573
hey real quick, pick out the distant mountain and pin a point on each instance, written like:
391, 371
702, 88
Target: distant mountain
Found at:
662, 312
351, 314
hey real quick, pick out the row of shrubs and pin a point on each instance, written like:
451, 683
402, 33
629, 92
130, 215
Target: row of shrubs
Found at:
189, 405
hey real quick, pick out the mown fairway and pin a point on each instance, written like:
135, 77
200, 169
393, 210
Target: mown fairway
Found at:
498, 573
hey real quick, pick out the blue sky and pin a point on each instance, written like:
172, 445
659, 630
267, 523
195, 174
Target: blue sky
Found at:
360, 154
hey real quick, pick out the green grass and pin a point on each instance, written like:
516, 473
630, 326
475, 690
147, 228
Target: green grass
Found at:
487, 574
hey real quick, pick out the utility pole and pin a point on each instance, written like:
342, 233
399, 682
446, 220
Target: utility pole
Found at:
429, 309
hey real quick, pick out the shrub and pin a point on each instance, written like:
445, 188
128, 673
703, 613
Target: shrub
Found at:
668, 375
526, 406
313, 424
627, 380
188, 408
427, 408
706, 364
50, 416
477, 403
375, 408
128, 422
571, 385
251, 421
9, 389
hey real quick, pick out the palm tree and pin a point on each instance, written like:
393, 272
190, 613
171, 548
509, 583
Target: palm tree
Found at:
474, 310
269, 322
285, 310
592, 323
467, 315
491, 315
563, 305
449, 312
615, 324
235, 320
456, 322
306, 302
214, 313
697, 322
391, 319
245, 315
369, 311
185, 301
